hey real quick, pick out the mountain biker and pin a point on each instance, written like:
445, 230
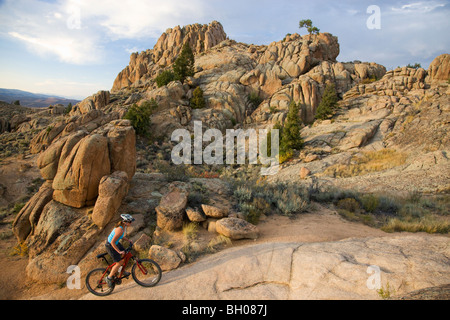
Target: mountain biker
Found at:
115, 249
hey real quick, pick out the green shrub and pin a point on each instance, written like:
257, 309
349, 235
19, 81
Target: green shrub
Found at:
414, 66
349, 204
290, 203
412, 209
165, 78
198, 101
262, 198
369, 202
254, 100
140, 116
243, 194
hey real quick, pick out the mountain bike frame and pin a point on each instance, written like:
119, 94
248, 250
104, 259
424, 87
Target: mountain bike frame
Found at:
126, 258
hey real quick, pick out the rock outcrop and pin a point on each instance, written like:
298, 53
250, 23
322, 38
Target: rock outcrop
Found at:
296, 68
440, 68
350, 269
97, 101
61, 238
171, 210
166, 258
236, 229
77, 180
145, 65
86, 163
405, 111
28, 217
88, 158
111, 191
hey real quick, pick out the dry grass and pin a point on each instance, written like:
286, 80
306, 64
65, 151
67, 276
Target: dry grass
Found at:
429, 224
367, 162
190, 230
413, 213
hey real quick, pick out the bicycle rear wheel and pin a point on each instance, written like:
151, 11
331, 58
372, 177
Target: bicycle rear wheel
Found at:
146, 273
96, 283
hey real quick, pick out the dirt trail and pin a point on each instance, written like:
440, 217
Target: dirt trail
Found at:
323, 225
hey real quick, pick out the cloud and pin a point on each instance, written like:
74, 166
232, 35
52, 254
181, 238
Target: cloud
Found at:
77, 31
419, 7
43, 28
69, 50
131, 19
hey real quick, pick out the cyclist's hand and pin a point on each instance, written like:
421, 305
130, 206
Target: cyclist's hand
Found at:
122, 253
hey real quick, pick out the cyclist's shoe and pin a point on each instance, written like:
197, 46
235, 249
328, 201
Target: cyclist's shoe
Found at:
110, 282
126, 274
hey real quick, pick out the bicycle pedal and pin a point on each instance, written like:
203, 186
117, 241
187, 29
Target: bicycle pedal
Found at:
126, 274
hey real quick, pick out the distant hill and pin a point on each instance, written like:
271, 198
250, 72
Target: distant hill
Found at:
33, 100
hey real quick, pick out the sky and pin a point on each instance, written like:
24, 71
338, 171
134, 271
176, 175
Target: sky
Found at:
74, 48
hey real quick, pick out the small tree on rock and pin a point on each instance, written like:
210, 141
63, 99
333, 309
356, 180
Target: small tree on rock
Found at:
165, 78
184, 65
309, 26
328, 105
198, 101
290, 137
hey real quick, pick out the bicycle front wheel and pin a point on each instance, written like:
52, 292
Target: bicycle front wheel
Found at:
96, 282
146, 273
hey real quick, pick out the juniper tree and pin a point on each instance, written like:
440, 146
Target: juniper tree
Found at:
309, 26
198, 101
184, 65
290, 137
328, 104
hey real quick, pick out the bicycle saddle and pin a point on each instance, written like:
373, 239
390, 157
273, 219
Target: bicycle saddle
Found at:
101, 255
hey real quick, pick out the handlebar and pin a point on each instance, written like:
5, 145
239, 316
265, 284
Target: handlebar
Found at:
127, 250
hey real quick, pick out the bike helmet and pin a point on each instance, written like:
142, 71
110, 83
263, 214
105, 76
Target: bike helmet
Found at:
127, 218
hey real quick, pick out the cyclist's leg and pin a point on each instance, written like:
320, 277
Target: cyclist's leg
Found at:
117, 258
115, 268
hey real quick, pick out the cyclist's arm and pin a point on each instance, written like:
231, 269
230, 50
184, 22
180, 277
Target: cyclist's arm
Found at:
117, 235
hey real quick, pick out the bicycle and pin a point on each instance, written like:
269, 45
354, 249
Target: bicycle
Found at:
145, 272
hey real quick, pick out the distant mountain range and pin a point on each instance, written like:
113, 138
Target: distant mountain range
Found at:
33, 100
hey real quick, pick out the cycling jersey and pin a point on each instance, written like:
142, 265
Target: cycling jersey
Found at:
113, 233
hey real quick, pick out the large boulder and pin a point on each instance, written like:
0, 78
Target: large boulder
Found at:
77, 180
95, 102
61, 238
29, 216
214, 212
171, 210
440, 68
49, 160
122, 147
166, 258
236, 229
112, 189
